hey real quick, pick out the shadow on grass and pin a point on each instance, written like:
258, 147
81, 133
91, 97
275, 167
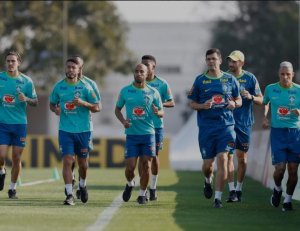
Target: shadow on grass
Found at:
194, 212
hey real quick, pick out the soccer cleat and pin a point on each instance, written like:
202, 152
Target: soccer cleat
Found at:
239, 195
127, 193
275, 198
232, 196
69, 200
153, 196
12, 194
141, 200
208, 192
2, 180
78, 193
84, 196
287, 207
217, 203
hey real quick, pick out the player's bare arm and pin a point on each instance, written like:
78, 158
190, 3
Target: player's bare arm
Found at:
169, 103
199, 106
55, 108
92, 107
29, 101
119, 115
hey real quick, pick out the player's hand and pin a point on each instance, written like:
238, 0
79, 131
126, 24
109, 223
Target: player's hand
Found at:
207, 104
57, 110
296, 112
78, 102
245, 94
230, 104
22, 97
155, 109
265, 123
126, 123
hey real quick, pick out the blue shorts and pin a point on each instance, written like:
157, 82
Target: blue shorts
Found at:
159, 138
75, 143
213, 140
139, 145
243, 135
13, 134
285, 145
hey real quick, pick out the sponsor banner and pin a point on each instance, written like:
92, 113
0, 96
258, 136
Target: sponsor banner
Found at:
43, 151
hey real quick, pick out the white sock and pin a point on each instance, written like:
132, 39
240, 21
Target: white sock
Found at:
130, 183
13, 186
278, 188
239, 186
142, 192
287, 198
231, 186
2, 171
218, 195
69, 189
153, 181
208, 180
82, 182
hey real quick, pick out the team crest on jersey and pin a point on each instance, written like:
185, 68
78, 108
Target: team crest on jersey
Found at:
9, 99
138, 111
70, 106
18, 89
77, 94
283, 111
292, 99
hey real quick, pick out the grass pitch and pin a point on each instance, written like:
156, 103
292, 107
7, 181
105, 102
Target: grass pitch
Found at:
180, 206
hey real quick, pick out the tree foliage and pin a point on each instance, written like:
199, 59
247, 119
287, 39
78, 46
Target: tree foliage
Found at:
94, 31
266, 31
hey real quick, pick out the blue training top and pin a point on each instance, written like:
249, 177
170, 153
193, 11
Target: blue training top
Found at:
219, 90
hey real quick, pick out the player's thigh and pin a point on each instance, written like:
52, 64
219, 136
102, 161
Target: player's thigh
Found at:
159, 138
83, 144
243, 135
148, 146
279, 145
294, 146
207, 143
225, 140
66, 143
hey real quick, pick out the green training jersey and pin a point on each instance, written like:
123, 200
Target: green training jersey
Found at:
12, 111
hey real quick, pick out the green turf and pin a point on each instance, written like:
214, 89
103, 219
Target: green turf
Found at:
180, 206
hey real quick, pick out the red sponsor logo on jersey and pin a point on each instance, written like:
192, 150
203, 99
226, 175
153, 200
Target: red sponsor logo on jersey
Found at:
138, 111
283, 111
217, 99
9, 99
70, 106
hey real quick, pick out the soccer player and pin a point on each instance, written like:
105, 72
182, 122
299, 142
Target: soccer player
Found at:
72, 99
164, 90
244, 120
98, 97
142, 102
284, 99
16, 92
214, 95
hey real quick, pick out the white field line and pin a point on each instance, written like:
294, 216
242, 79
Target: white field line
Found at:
107, 214
36, 182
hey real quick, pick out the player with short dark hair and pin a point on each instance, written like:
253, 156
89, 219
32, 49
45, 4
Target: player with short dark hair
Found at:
214, 95
142, 102
72, 99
